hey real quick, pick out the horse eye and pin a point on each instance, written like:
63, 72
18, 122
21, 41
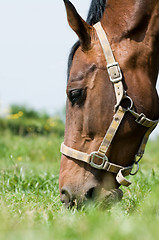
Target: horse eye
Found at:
75, 95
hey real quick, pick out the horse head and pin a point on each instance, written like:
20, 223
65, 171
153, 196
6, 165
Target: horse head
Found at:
91, 98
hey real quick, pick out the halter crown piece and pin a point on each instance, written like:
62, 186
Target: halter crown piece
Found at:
116, 77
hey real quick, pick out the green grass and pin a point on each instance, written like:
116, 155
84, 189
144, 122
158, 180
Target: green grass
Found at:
30, 206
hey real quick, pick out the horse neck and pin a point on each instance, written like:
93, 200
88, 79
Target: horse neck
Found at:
123, 18
136, 21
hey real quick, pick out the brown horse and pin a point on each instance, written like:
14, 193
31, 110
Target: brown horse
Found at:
132, 29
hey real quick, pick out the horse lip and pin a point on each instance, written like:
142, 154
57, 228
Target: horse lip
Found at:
111, 197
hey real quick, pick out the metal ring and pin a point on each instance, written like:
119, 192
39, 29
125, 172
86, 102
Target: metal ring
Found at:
131, 102
137, 164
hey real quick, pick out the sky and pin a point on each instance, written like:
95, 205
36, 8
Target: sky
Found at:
35, 42
34, 45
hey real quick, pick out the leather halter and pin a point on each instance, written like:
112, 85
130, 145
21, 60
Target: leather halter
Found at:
116, 77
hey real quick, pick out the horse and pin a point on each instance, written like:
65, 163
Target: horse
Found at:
112, 103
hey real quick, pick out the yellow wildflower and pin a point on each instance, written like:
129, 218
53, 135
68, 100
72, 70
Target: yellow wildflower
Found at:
20, 158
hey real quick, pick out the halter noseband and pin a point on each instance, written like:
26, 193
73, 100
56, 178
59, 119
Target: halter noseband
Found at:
116, 77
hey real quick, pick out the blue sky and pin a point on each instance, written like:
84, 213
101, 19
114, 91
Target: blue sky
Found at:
34, 46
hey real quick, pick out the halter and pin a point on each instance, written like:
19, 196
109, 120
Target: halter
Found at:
116, 77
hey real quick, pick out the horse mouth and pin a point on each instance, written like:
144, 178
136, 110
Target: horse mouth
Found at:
104, 200
108, 198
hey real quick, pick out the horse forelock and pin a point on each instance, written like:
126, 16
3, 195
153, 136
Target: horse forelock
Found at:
95, 14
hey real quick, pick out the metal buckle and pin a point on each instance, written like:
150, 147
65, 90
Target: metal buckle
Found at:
141, 119
94, 155
117, 74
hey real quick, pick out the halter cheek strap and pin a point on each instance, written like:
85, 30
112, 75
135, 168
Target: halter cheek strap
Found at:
113, 68
115, 76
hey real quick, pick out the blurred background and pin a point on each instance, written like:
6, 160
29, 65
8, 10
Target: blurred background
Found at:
34, 46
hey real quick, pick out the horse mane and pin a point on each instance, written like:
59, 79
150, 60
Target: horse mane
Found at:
95, 14
96, 11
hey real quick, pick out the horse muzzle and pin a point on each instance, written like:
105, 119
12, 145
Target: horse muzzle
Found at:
101, 197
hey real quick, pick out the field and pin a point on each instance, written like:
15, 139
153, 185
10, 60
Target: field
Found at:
31, 207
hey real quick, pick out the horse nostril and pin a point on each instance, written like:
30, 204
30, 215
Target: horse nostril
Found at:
66, 197
90, 193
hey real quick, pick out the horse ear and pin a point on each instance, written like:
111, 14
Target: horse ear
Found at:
78, 25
